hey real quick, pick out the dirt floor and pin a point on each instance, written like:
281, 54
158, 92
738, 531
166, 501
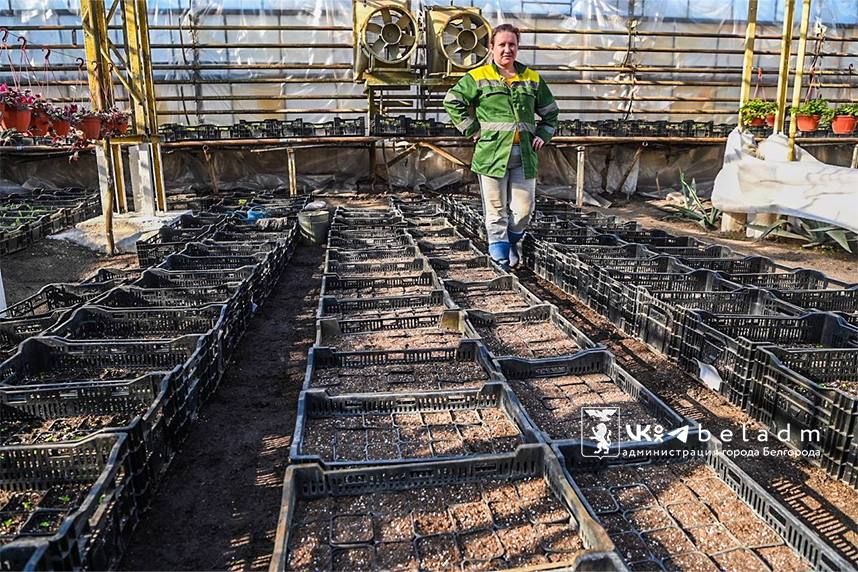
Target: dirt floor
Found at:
837, 264
218, 505
827, 505
46, 261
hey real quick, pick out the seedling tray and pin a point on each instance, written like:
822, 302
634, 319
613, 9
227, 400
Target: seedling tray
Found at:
346, 287
433, 302
53, 297
800, 279
385, 241
386, 269
498, 295
468, 271
430, 330
373, 254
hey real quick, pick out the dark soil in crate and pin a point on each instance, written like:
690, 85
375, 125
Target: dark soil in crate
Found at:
527, 340
826, 505
465, 274
555, 404
450, 255
378, 273
33, 431
849, 386
228, 479
37, 512
679, 514
491, 301
396, 340
491, 525
400, 378
406, 436
82, 374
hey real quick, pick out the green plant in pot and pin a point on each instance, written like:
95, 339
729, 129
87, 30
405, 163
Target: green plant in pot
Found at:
758, 112
810, 114
845, 119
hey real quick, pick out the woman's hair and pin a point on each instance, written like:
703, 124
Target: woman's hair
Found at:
506, 28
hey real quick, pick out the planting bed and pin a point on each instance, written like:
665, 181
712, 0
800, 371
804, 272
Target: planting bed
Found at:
468, 273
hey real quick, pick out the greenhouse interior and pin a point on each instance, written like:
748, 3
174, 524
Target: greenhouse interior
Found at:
412, 285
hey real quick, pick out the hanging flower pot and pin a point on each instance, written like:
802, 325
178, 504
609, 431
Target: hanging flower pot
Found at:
61, 127
2, 109
17, 119
758, 122
40, 122
770, 120
808, 123
844, 124
90, 126
121, 125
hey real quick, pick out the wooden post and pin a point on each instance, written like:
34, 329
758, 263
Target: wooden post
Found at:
854, 164
799, 74
783, 67
293, 172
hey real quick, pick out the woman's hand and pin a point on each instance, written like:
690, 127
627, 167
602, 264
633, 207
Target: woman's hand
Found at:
538, 143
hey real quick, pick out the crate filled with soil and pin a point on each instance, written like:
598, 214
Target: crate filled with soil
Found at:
401, 254
467, 514
539, 332
383, 308
500, 295
379, 269
80, 513
341, 287
422, 331
364, 243
93, 323
467, 366
697, 513
137, 297
378, 428
555, 393
478, 269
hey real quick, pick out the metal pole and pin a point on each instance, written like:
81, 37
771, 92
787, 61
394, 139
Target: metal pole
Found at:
748, 63
854, 164
293, 172
579, 176
783, 67
799, 74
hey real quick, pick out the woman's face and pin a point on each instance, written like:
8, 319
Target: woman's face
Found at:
504, 49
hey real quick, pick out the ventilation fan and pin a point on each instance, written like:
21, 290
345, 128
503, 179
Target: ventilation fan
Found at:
460, 41
390, 35
465, 40
385, 37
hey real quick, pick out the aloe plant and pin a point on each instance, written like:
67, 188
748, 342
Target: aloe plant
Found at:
695, 209
812, 233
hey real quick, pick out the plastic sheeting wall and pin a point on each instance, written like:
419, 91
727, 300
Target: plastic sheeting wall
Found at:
221, 61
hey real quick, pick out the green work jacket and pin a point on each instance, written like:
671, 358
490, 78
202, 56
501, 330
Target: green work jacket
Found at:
483, 103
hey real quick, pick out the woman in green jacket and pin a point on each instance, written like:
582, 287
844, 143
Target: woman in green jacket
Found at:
496, 105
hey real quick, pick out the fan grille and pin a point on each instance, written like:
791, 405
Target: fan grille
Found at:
465, 40
389, 34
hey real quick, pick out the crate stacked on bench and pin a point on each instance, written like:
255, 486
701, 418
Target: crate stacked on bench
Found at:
723, 316
112, 386
26, 218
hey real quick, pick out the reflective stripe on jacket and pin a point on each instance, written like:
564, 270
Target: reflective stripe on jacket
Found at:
483, 102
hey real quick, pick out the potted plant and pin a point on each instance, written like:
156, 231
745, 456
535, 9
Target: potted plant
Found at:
88, 122
757, 112
40, 118
17, 112
811, 113
61, 119
845, 119
115, 121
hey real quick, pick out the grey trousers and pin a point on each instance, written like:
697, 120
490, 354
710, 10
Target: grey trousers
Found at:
508, 202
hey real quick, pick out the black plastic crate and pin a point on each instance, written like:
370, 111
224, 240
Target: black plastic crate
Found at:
486, 324
94, 535
505, 291
547, 404
225, 262
661, 312
391, 306
348, 287
799, 279
375, 415
55, 297
426, 366
845, 301
13, 331
373, 254
449, 324
658, 238
362, 243
672, 465
798, 392
536, 463
723, 350
167, 241
137, 297
114, 275
151, 405
736, 264
379, 269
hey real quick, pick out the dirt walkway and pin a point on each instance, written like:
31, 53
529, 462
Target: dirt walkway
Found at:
218, 505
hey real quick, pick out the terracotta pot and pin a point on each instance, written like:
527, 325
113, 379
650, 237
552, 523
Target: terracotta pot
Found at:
758, 122
61, 127
2, 109
91, 127
17, 119
807, 123
844, 124
40, 123
121, 125
770, 120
